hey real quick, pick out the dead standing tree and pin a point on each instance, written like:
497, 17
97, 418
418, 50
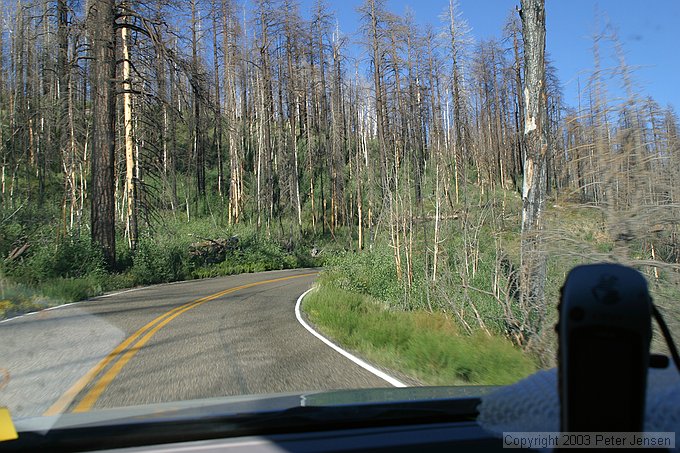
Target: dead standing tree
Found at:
533, 259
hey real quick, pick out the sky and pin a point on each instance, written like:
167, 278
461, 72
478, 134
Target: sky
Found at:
649, 32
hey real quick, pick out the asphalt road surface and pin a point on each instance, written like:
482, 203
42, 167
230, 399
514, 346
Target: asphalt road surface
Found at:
234, 335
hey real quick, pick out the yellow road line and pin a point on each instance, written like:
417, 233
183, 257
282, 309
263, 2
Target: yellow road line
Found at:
146, 332
62, 403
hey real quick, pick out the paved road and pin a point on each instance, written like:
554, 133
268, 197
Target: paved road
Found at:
217, 337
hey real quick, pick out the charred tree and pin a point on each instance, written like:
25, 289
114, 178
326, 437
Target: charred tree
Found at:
533, 259
103, 128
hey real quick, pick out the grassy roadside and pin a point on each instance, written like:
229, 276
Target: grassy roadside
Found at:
425, 346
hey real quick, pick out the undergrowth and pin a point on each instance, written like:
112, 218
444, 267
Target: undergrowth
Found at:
55, 270
426, 346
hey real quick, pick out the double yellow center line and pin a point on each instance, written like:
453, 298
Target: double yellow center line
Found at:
125, 351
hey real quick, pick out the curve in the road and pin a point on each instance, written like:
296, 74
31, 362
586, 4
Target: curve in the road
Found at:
122, 354
370, 368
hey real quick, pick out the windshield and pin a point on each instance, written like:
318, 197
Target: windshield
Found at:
231, 198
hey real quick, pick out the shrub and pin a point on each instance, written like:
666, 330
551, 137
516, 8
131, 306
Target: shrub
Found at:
158, 262
69, 258
73, 289
253, 254
372, 273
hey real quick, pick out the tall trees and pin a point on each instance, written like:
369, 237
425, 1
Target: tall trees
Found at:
265, 114
303, 132
373, 11
230, 34
458, 37
197, 99
512, 29
289, 111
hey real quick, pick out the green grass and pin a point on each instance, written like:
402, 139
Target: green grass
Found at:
427, 346
73, 289
16, 300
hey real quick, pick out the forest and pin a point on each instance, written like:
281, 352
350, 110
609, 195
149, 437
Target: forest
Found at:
421, 167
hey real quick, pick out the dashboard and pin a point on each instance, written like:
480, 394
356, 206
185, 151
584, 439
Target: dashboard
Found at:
440, 424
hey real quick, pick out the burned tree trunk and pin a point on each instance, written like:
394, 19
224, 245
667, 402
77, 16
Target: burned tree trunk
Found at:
103, 93
130, 164
533, 259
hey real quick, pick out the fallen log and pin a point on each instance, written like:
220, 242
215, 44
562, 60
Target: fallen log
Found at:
212, 251
17, 252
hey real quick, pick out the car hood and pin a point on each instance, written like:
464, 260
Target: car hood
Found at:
245, 405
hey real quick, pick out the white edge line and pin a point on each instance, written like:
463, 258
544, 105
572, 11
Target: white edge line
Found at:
129, 290
72, 303
95, 298
338, 349
18, 317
